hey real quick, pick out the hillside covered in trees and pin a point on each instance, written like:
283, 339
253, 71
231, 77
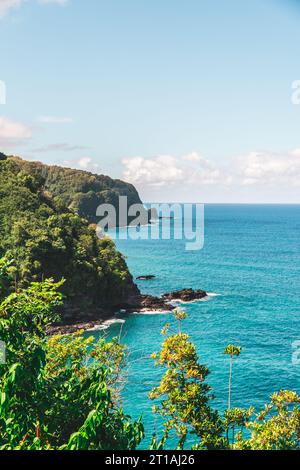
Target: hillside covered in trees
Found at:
79, 190
45, 239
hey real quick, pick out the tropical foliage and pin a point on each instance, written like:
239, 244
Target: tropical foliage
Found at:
185, 405
79, 190
49, 241
277, 427
63, 392
232, 351
185, 395
57, 393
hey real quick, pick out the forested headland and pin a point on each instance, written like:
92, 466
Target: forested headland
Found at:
47, 238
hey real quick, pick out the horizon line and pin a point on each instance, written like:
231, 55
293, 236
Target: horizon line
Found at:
229, 203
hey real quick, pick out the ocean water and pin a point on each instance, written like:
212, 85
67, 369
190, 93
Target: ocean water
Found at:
251, 260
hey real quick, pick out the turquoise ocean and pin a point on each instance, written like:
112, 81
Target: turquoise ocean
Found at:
250, 265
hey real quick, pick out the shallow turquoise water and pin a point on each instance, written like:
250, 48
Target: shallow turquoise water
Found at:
251, 259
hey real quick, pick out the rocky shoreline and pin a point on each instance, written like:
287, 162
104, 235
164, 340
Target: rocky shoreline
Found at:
74, 320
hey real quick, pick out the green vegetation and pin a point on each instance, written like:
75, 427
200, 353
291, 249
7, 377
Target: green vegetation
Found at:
185, 405
80, 191
277, 427
46, 240
232, 351
63, 392
185, 394
51, 397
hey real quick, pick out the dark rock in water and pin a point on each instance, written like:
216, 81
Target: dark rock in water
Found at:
186, 295
146, 278
147, 302
143, 303
154, 303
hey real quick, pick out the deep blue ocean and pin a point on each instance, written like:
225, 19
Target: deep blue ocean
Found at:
251, 260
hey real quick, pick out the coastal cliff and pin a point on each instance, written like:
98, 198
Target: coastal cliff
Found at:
81, 191
43, 238
46, 239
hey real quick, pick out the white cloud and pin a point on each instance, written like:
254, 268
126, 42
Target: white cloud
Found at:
7, 5
192, 157
84, 163
265, 168
160, 170
55, 119
169, 170
13, 132
257, 169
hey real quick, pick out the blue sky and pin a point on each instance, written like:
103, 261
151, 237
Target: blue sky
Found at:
190, 101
